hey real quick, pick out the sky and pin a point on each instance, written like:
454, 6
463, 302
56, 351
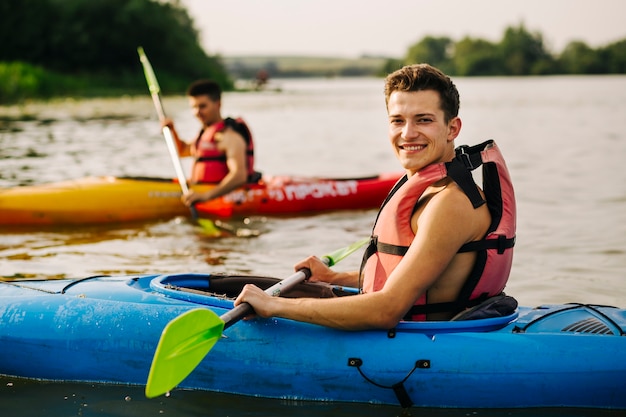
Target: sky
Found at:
351, 28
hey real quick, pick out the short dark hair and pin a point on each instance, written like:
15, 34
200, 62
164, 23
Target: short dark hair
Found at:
205, 88
425, 77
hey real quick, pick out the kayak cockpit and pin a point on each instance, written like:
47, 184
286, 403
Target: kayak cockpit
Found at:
220, 291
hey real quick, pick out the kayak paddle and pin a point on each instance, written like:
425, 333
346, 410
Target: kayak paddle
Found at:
188, 338
155, 91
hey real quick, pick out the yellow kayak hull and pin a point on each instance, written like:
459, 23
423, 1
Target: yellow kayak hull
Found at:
93, 200
98, 200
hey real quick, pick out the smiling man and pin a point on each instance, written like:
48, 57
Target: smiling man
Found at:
440, 243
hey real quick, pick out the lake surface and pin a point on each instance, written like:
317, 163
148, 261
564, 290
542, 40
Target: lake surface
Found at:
564, 139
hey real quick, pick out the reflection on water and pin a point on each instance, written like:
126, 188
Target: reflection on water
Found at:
85, 400
563, 139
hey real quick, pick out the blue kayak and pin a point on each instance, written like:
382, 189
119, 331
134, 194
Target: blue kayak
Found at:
105, 330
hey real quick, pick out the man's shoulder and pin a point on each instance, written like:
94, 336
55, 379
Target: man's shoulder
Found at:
238, 127
453, 203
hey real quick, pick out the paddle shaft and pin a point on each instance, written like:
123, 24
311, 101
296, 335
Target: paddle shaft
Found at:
155, 91
242, 310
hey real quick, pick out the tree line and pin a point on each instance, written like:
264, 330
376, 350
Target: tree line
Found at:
89, 47
52, 45
519, 52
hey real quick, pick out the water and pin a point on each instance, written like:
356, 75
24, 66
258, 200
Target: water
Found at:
87, 400
563, 139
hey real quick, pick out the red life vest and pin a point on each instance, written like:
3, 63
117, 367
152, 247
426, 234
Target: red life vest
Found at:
392, 234
210, 163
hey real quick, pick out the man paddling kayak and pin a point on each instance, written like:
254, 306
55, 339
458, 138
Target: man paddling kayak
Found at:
223, 151
440, 244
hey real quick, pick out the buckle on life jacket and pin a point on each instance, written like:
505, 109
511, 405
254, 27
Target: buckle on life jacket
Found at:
461, 153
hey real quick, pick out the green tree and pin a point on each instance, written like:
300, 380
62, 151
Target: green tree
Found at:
519, 52
432, 50
578, 58
101, 37
523, 53
614, 57
26, 27
476, 57
390, 66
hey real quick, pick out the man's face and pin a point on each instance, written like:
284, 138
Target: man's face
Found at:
418, 131
205, 109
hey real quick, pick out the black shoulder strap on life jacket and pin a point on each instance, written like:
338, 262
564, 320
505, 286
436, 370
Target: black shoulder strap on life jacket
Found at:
244, 131
460, 170
238, 127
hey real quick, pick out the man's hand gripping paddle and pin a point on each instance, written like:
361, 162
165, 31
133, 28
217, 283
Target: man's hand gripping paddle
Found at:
188, 338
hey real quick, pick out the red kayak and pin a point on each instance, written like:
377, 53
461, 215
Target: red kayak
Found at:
284, 195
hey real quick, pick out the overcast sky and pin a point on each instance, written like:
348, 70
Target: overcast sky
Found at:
355, 27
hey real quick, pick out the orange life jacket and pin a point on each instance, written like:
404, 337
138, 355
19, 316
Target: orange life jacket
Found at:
392, 233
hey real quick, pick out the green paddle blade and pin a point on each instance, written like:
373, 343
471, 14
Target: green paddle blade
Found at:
208, 227
217, 228
339, 254
153, 84
184, 342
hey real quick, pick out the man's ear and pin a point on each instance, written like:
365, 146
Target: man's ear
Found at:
454, 128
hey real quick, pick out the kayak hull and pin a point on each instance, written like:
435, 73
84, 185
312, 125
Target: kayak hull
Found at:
91, 200
101, 200
277, 196
105, 330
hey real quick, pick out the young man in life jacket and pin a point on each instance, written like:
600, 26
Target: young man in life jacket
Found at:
223, 151
440, 244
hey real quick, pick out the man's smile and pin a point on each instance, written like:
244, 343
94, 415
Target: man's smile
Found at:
412, 147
